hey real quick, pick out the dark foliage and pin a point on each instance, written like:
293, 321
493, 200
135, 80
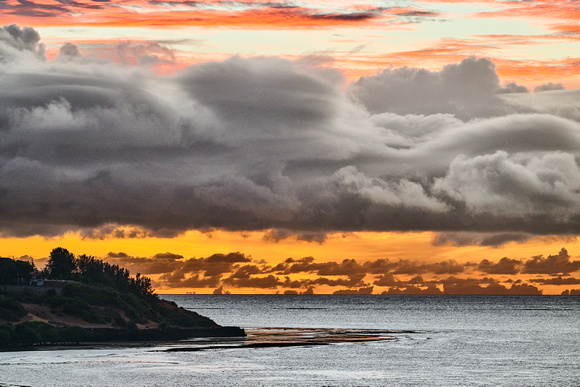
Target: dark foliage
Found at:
32, 333
61, 264
14, 272
29, 334
11, 310
95, 271
98, 293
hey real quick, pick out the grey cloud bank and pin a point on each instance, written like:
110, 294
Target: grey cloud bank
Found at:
266, 143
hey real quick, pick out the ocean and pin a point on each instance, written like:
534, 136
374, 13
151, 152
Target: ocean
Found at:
336, 340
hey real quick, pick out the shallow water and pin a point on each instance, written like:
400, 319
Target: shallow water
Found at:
337, 340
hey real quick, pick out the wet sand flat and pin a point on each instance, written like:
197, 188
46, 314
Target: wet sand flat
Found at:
289, 337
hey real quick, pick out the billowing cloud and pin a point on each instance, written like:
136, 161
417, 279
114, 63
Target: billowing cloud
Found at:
504, 266
497, 183
68, 52
267, 282
548, 87
265, 143
467, 89
553, 264
175, 271
20, 42
513, 87
158, 264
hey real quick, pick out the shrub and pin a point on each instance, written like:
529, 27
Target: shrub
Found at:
11, 310
6, 332
74, 335
25, 335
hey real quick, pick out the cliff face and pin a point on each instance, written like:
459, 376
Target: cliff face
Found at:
73, 312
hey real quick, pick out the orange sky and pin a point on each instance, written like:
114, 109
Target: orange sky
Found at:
412, 248
530, 41
144, 83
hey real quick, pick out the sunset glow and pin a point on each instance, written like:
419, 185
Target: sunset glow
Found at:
272, 147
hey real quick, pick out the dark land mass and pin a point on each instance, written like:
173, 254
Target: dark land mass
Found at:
89, 301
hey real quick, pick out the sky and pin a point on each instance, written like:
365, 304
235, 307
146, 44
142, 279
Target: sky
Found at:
296, 147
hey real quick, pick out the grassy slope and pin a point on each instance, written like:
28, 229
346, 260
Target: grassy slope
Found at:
79, 312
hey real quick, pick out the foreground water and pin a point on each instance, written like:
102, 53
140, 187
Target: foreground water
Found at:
337, 340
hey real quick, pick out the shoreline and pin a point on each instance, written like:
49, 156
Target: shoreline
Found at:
119, 337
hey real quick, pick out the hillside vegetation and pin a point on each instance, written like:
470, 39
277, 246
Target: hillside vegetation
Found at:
85, 299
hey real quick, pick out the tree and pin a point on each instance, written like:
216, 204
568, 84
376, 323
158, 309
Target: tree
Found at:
61, 264
91, 270
14, 272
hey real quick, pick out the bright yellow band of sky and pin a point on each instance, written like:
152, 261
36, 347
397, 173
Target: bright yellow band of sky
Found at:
361, 246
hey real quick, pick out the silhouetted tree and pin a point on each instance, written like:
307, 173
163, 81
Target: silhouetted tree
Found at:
143, 284
14, 272
91, 270
85, 268
61, 264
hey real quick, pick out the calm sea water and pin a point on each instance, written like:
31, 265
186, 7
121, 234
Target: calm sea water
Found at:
422, 340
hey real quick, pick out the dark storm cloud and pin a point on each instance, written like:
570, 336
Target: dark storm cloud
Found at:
481, 239
20, 42
277, 235
265, 143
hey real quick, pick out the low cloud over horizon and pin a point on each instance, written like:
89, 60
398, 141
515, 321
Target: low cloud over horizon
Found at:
266, 143
236, 272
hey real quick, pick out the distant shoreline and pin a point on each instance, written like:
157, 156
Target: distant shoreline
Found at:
366, 295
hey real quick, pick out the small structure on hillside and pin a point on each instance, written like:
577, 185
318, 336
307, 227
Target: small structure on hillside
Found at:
36, 278
19, 272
